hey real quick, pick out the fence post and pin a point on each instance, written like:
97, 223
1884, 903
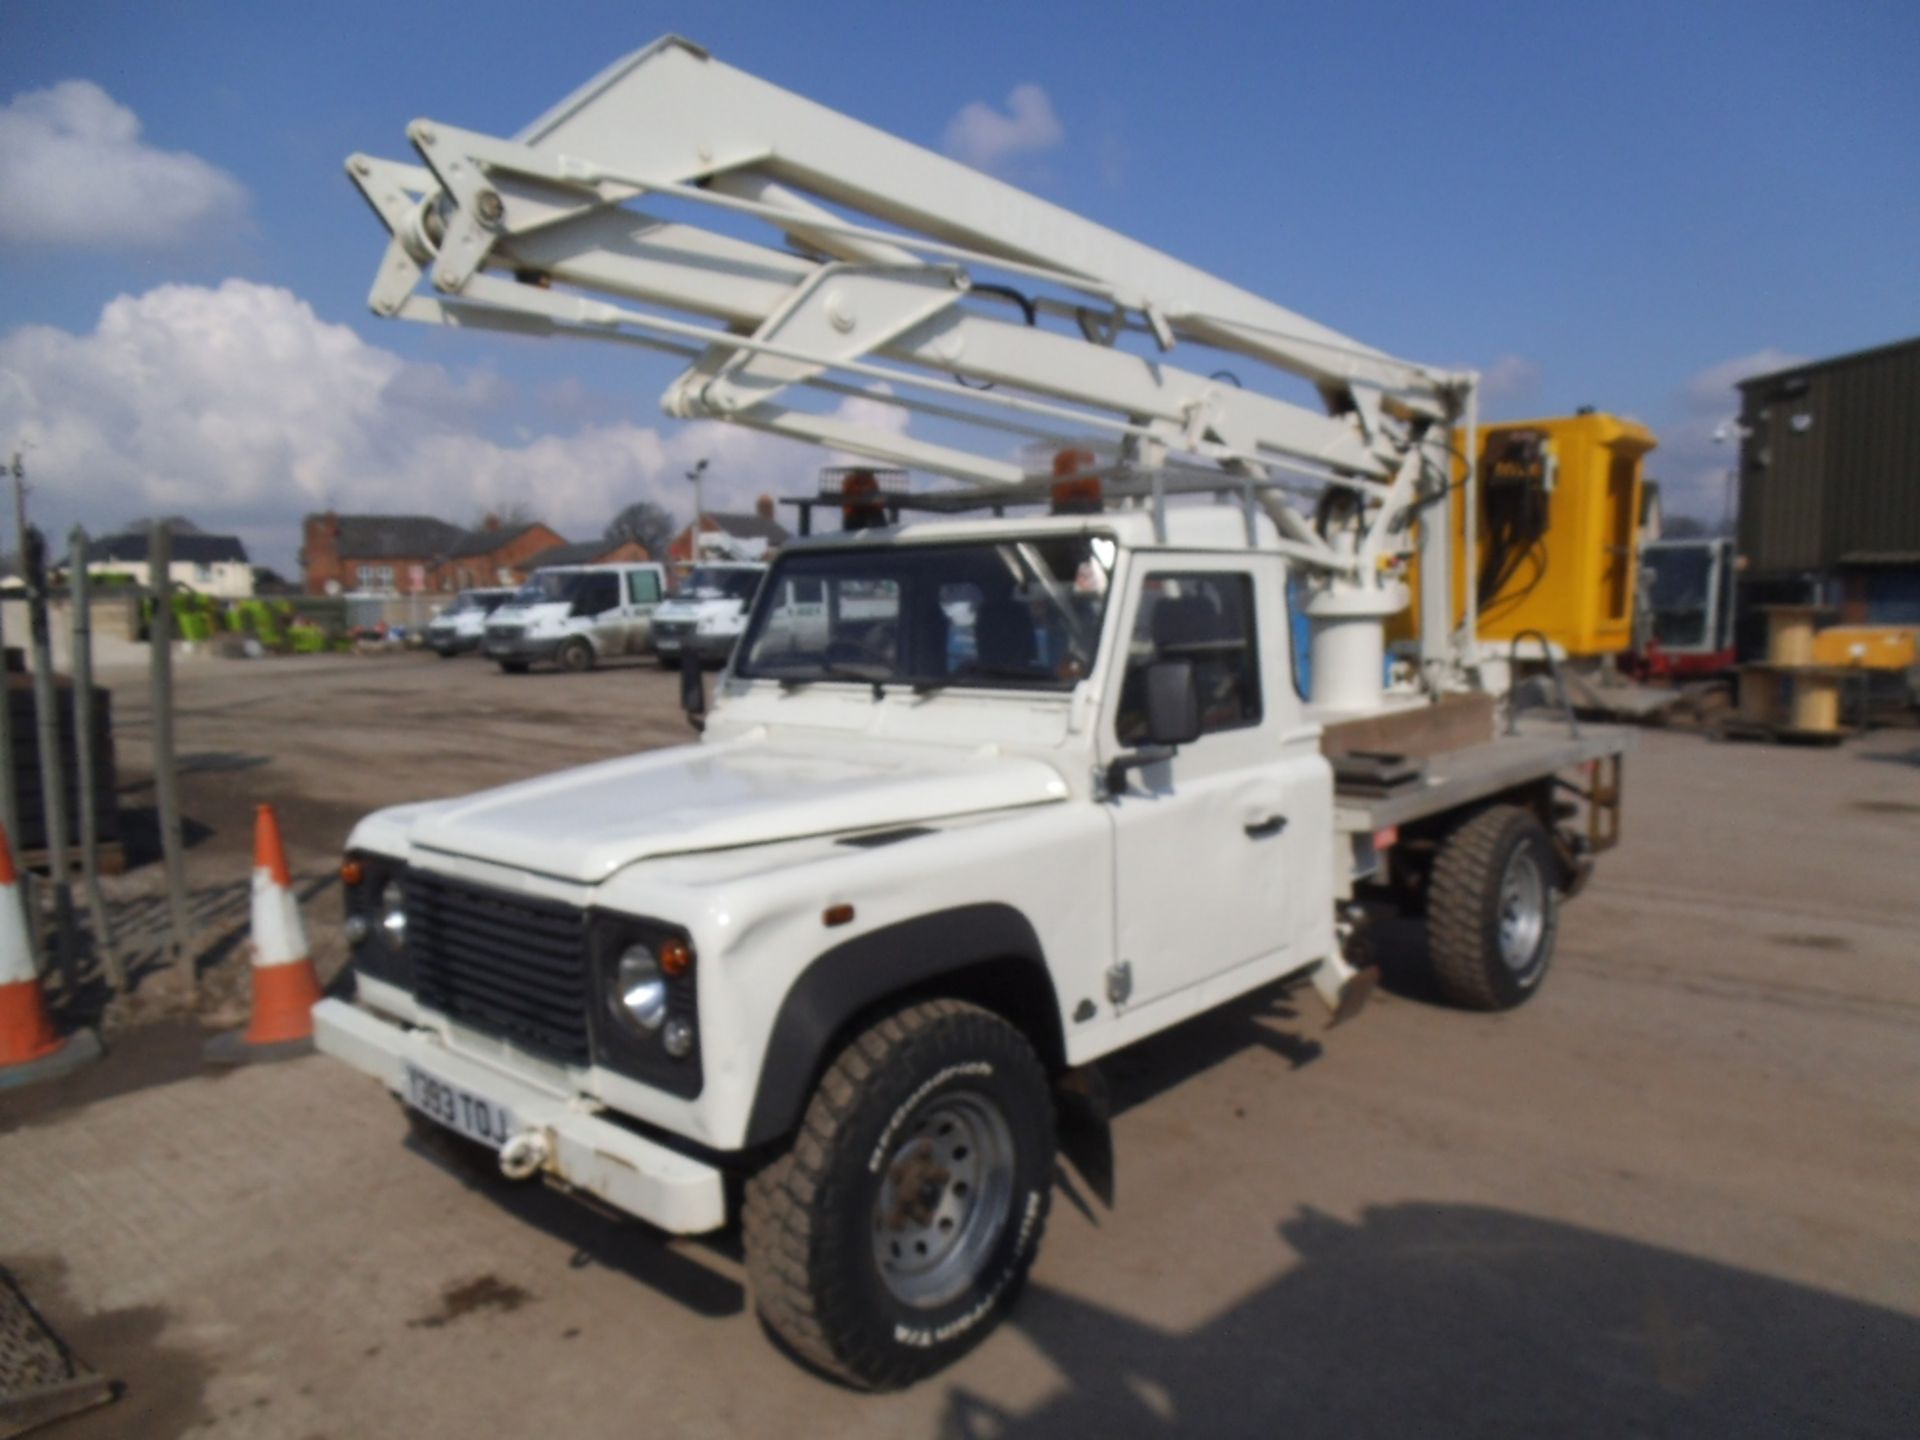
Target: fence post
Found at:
53, 782
166, 775
78, 591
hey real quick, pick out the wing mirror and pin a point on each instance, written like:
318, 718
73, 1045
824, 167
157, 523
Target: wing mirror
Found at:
1173, 719
1173, 703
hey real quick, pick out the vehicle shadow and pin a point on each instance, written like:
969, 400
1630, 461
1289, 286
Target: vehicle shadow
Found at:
1434, 1319
595, 1236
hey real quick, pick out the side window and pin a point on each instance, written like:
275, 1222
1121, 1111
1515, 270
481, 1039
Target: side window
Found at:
597, 595
643, 587
808, 591
1204, 618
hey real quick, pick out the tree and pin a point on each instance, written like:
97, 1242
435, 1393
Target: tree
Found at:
646, 523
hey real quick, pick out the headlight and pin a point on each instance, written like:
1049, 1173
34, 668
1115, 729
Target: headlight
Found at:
393, 915
640, 987
357, 928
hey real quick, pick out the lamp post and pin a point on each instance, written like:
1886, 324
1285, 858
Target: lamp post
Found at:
699, 511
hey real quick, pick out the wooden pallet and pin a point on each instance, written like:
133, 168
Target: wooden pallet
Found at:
1734, 728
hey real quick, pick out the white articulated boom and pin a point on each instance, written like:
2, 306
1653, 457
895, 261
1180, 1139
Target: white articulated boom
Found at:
908, 278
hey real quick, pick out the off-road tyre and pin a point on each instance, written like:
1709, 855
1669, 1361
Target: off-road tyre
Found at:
1466, 900
812, 1216
513, 667
574, 656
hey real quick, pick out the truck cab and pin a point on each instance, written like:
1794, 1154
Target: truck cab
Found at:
703, 618
458, 629
575, 616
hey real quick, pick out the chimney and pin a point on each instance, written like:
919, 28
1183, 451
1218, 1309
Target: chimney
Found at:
763, 507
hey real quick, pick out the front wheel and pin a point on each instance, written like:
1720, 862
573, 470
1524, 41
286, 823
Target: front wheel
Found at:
898, 1229
1493, 909
575, 656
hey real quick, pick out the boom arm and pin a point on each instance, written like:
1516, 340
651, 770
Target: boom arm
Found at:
902, 276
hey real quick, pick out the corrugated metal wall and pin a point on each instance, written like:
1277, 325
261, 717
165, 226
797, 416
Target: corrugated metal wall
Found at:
1830, 468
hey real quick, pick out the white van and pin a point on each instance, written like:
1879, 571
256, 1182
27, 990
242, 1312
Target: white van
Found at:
703, 619
459, 628
576, 616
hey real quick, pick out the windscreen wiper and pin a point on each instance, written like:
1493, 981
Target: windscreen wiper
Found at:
812, 672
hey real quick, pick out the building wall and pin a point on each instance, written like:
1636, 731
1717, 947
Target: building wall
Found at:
226, 579
506, 565
1830, 465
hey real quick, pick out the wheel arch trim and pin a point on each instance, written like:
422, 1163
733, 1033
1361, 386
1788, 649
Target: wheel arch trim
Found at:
968, 945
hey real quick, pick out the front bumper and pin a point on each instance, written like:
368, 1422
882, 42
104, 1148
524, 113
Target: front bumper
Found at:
521, 646
449, 642
661, 1186
692, 644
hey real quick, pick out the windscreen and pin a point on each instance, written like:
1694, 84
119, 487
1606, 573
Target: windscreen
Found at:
1024, 614
1682, 581
710, 582
544, 587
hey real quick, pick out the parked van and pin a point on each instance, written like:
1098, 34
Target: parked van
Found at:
459, 628
576, 616
703, 619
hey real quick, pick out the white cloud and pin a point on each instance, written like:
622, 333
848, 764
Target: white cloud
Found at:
984, 137
1510, 380
1691, 463
241, 408
1712, 389
74, 171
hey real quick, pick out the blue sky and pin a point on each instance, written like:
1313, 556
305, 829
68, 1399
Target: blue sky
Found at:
1618, 205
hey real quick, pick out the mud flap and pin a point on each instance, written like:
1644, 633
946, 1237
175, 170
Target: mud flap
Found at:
1344, 989
1083, 1109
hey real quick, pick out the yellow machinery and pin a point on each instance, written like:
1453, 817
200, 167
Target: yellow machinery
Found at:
1554, 549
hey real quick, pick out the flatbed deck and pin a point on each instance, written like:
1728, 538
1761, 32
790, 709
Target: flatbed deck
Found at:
1458, 777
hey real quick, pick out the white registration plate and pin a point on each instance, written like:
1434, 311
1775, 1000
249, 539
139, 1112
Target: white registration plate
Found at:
459, 1110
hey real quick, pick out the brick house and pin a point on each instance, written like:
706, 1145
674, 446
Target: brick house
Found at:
410, 554
495, 554
592, 552
383, 553
754, 536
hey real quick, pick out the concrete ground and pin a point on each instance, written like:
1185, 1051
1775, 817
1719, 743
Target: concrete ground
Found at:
1679, 1193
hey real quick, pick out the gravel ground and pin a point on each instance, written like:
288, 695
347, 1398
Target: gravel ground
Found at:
1673, 1195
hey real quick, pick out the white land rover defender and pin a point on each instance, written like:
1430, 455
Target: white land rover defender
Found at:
837, 955
576, 616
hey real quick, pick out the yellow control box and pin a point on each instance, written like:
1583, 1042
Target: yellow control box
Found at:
1555, 552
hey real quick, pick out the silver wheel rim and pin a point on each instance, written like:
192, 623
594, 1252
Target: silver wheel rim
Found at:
1523, 910
944, 1199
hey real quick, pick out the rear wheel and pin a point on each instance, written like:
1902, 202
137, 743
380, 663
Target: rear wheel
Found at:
898, 1229
575, 656
1493, 909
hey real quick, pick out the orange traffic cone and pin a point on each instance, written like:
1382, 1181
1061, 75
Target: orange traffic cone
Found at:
285, 987
30, 1048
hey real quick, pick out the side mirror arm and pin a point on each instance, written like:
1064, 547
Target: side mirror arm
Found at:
1120, 766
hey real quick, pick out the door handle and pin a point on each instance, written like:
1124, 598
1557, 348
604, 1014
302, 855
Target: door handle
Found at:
1271, 825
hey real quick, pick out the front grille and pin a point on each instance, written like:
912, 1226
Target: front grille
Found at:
502, 963
673, 629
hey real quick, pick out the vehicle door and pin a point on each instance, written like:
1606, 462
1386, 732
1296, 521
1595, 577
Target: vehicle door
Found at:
642, 597
597, 602
1215, 847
